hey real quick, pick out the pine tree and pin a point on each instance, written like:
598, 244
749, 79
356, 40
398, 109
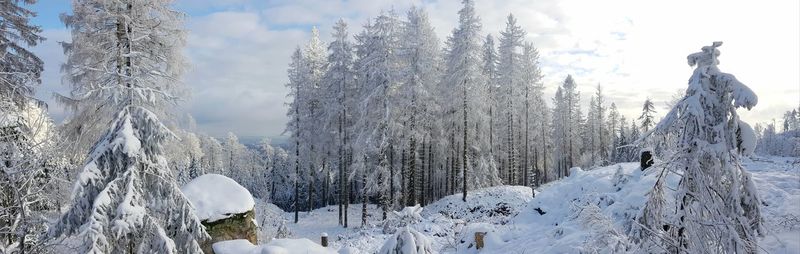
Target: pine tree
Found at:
296, 90
566, 127
419, 56
23, 179
717, 205
533, 89
20, 69
512, 88
647, 115
463, 77
376, 69
340, 81
126, 198
490, 61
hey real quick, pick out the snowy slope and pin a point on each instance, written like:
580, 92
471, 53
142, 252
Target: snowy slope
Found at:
590, 211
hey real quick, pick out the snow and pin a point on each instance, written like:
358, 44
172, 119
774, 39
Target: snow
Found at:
215, 197
749, 138
589, 211
276, 246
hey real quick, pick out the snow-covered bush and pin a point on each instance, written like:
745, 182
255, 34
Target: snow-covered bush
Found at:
283, 230
603, 235
408, 216
407, 240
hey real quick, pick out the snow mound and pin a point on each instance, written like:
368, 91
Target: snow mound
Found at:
494, 204
276, 246
748, 138
217, 197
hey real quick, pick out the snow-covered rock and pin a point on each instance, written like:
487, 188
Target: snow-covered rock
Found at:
217, 197
226, 209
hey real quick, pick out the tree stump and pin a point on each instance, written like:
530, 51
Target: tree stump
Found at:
324, 240
479, 240
646, 160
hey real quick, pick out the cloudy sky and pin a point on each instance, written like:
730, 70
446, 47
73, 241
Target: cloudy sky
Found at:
239, 49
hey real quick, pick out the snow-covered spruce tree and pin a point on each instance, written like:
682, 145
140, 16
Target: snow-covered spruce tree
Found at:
23, 177
419, 57
533, 89
647, 118
125, 57
490, 61
314, 69
510, 96
717, 203
130, 35
27, 151
20, 69
463, 78
339, 81
296, 120
566, 127
376, 69
613, 125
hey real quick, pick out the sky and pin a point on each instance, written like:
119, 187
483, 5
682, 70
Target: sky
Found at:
239, 50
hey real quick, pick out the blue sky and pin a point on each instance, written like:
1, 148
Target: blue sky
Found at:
239, 49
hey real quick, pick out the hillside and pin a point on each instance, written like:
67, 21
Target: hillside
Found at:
590, 211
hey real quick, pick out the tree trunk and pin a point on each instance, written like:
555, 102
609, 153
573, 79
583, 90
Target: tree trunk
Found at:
464, 149
391, 177
364, 195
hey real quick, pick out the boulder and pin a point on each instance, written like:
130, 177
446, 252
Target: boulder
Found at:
225, 208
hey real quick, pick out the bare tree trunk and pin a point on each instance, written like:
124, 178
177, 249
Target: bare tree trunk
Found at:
464, 149
364, 196
391, 177
341, 172
403, 172
525, 179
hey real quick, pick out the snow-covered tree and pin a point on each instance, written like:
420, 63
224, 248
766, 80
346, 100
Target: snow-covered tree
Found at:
463, 79
20, 69
717, 206
314, 69
339, 81
532, 113
296, 120
490, 61
135, 38
24, 133
407, 240
377, 67
419, 57
510, 96
647, 119
613, 124
125, 60
567, 122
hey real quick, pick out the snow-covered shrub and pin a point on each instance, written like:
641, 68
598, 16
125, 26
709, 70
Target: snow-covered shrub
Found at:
283, 231
619, 178
407, 240
603, 235
409, 215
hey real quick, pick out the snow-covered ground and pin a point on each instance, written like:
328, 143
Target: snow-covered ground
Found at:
586, 212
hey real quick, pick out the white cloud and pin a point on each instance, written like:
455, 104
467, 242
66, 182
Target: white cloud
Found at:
636, 49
